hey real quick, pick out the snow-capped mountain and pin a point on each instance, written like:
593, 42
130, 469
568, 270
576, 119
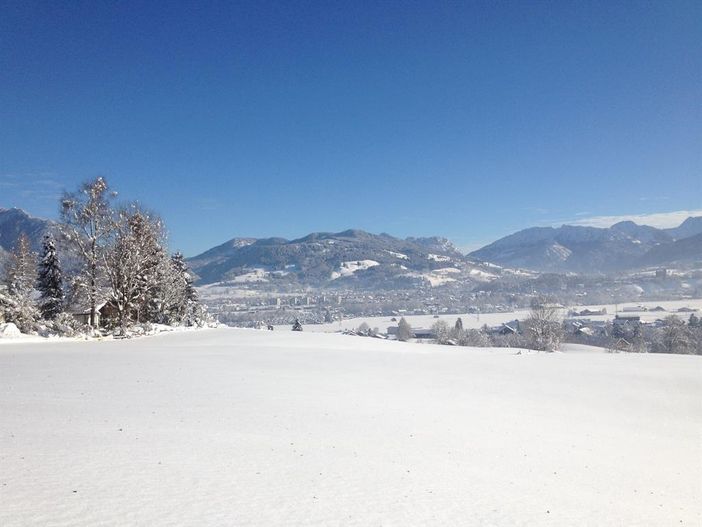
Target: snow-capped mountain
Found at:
14, 222
569, 248
353, 258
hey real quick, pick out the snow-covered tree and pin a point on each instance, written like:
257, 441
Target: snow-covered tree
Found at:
132, 262
6, 303
404, 331
544, 328
474, 338
184, 271
676, 337
50, 282
88, 225
21, 275
442, 332
183, 303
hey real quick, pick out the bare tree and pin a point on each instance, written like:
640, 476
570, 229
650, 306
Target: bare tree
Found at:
87, 223
544, 326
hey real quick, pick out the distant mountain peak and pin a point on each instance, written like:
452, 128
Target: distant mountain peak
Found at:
14, 222
690, 227
574, 248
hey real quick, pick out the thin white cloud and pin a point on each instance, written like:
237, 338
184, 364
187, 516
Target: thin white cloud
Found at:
662, 220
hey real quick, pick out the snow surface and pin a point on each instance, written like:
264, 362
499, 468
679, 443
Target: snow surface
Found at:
397, 255
246, 427
477, 273
253, 275
349, 268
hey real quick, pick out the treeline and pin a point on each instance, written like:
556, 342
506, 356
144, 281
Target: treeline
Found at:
671, 335
118, 261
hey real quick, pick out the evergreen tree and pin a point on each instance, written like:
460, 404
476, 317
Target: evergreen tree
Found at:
50, 283
459, 324
186, 303
190, 292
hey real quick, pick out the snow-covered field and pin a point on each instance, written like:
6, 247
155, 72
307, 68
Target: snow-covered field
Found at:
494, 319
245, 427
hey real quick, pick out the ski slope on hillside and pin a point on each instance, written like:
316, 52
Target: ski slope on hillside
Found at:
245, 427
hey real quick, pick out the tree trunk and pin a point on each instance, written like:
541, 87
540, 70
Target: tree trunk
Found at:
93, 282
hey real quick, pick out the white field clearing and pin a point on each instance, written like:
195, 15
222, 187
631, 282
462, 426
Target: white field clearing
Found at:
245, 427
471, 320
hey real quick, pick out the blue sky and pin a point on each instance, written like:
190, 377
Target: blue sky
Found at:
464, 119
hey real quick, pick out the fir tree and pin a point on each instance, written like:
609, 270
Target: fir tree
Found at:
459, 324
186, 296
50, 283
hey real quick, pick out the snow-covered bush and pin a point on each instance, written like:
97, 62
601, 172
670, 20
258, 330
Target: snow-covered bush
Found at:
66, 325
9, 330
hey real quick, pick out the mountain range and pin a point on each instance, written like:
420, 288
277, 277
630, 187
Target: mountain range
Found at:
569, 248
358, 259
352, 258
14, 222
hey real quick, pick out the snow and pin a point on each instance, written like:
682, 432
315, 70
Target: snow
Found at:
246, 427
254, 275
441, 276
349, 268
9, 330
559, 251
438, 258
483, 275
476, 321
436, 277
397, 255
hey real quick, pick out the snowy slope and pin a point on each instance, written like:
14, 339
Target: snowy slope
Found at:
245, 427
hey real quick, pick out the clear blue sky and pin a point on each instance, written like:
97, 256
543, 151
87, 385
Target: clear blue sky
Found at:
463, 119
